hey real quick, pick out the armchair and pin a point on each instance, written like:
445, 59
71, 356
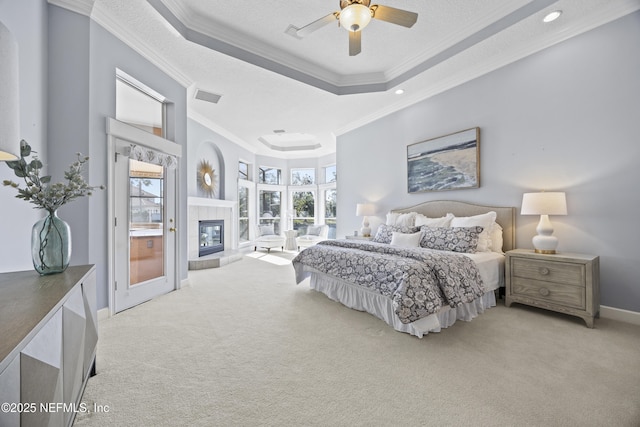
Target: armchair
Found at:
267, 238
315, 234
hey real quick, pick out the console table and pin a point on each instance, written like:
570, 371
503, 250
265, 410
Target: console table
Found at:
48, 338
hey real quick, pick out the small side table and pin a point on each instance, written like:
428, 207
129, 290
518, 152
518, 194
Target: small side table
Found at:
290, 243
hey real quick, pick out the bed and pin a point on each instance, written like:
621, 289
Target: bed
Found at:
433, 288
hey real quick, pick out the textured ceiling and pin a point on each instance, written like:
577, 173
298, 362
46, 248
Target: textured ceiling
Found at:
270, 80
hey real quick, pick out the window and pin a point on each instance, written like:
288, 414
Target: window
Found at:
303, 203
139, 105
243, 213
270, 204
330, 174
303, 176
147, 192
243, 171
330, 211
270, 176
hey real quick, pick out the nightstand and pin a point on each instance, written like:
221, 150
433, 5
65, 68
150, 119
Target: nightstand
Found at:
565, 282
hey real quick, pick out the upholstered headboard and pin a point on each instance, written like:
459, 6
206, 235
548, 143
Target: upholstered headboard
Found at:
505, 216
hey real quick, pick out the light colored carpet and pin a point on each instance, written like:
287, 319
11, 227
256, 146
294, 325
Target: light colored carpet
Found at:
243, 345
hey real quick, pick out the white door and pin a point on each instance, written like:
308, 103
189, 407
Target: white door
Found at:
144, 226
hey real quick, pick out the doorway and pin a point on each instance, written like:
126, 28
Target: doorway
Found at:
142, 202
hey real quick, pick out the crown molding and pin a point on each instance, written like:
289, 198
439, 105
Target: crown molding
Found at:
221, 39
197, 117
620, 10
83, 7
104, 19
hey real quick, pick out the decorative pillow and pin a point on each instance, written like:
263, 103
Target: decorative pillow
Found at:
485, 221
400, 219
454, 239
406, 240
496, 238
314, 230
444, 221
385, 232
266, 230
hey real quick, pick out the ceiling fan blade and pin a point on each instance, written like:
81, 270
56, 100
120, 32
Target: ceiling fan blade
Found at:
355, 42
394, 16
316, 25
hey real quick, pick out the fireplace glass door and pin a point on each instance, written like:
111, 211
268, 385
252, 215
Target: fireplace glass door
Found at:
211, 237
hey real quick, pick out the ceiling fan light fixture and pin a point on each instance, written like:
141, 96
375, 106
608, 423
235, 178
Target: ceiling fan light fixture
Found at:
355, 17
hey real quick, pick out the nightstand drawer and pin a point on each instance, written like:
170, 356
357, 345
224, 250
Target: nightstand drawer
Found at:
548, 271
568, 295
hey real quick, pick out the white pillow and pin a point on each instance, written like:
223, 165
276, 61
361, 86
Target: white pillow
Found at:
314, 230
496, 239
406, 240
444, 221
404, 220
266, 230
485, 221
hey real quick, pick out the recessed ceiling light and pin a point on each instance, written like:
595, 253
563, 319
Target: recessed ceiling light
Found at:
552, 16
399, 92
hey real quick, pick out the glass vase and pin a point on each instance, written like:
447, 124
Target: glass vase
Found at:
51, 244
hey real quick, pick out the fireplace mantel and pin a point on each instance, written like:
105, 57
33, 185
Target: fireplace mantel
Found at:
201, 201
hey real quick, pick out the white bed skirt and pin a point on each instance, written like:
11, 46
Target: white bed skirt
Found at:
380, 306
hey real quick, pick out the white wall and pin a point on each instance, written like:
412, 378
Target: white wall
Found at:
563, 119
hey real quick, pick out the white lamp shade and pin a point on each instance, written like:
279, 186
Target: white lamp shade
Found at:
9, 98
355, 17
364, 209
545, 203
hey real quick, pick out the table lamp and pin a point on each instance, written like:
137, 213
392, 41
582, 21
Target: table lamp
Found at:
365, 210
544, 204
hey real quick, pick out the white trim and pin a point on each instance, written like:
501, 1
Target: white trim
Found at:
127, 132
102, 16
103, 314
620, 315
115, 131
83, 7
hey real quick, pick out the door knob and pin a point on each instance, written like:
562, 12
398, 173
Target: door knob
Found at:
173, 229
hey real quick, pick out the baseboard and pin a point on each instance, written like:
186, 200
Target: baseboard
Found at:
103, 313
619, 314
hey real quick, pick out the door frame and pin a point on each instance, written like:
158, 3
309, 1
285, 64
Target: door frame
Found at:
117, 130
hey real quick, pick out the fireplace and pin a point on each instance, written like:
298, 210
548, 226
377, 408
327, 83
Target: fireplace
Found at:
211, 238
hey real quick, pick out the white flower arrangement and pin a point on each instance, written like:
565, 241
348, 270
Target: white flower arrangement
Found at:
39, 189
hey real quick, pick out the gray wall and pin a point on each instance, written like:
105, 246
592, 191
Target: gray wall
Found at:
106, 54
67, 67
27, 21
562, 119
202, 145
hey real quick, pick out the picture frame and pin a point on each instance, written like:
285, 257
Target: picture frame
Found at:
448, 162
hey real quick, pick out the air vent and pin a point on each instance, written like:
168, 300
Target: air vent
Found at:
207, 96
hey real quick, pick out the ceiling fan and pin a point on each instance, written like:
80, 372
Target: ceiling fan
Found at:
354, 15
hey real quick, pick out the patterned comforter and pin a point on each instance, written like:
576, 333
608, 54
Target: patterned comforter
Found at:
419, 281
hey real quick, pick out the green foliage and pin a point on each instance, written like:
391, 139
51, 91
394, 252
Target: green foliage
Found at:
303, 203
39, 189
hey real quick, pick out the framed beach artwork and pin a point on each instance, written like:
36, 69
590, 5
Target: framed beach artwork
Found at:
449, 162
